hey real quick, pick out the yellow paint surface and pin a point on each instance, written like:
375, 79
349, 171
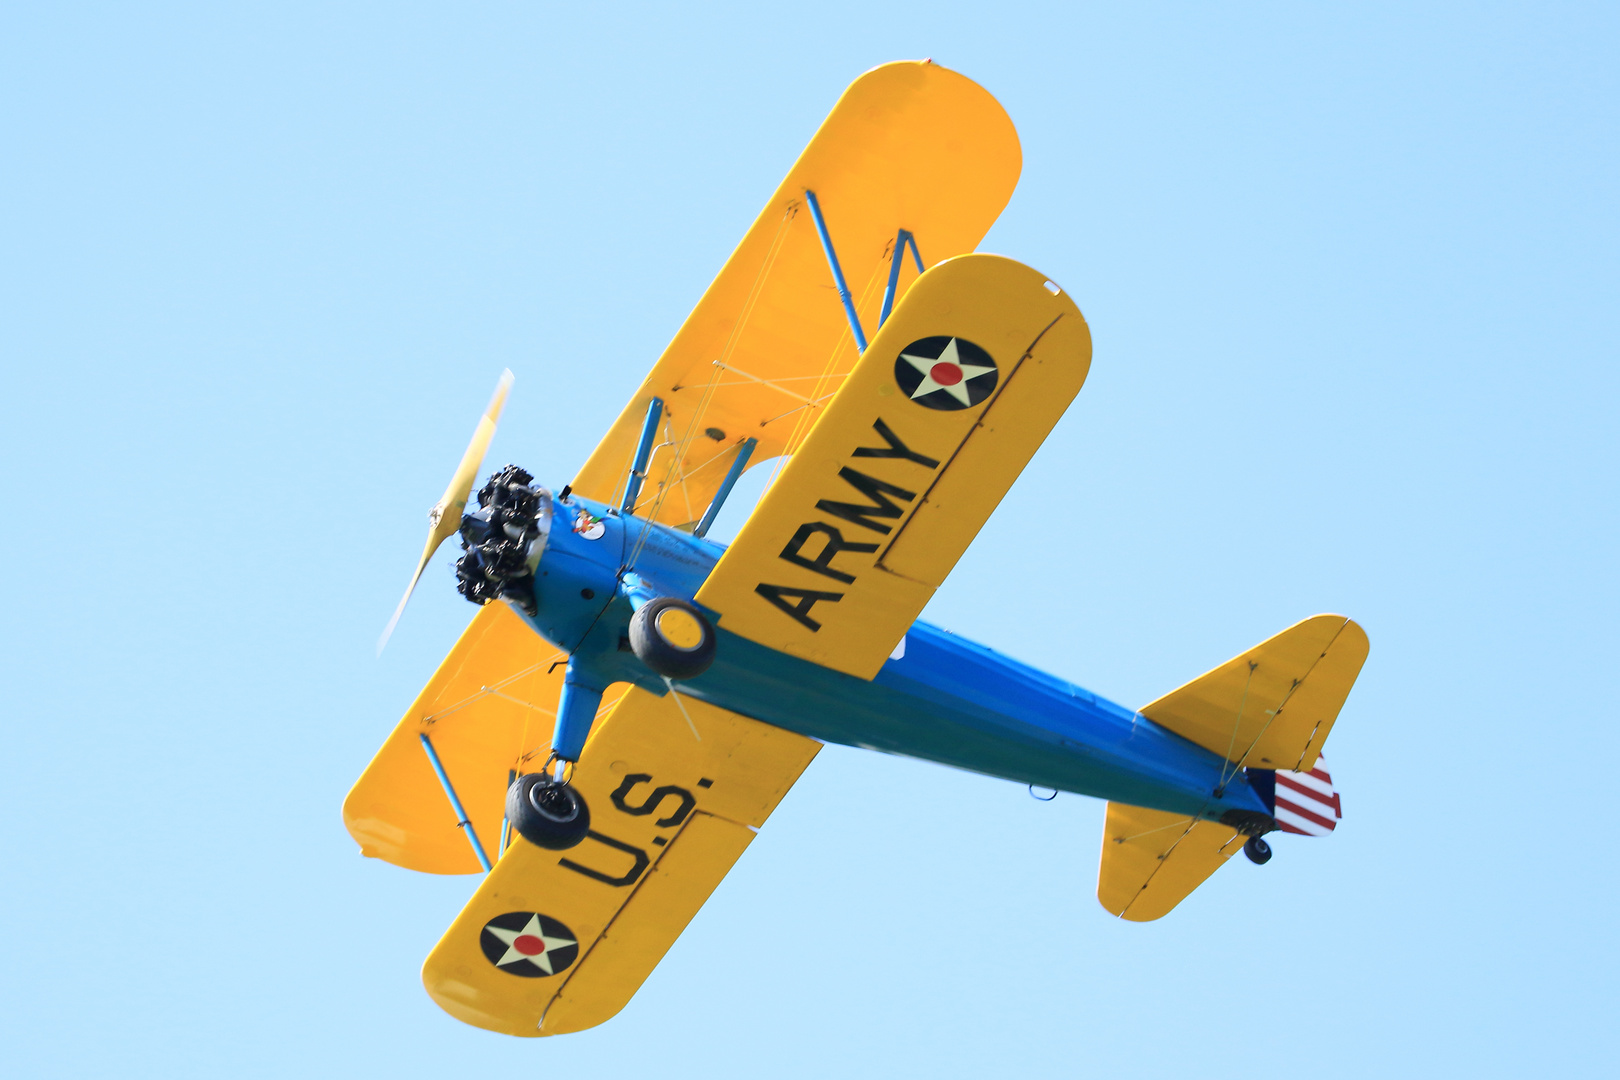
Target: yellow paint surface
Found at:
1152, 860
645, 754
1273, 706
489, 709
956, 466
909, 146
680, 628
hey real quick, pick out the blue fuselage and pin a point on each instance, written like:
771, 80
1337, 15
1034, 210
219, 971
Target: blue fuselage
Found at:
940, 698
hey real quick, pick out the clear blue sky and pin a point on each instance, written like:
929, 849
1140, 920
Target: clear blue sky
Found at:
1352, 280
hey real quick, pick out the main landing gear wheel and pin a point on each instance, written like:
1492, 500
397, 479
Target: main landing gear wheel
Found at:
673, 638
1258, 851
546, 813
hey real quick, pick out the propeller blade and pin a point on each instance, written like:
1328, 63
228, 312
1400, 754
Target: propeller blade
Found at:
444, 520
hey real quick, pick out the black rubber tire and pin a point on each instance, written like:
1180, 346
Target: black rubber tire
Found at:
1258, 851
662, 655
546, 813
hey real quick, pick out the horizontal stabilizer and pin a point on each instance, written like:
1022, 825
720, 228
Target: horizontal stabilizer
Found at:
1273, 706
910, 146
1153, 859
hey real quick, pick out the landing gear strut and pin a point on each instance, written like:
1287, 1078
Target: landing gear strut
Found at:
1258, 851
547, 812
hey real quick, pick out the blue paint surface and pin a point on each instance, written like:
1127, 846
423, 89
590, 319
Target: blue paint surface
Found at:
942, 698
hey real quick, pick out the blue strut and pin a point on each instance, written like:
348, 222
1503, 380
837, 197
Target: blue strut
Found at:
576, 710
900, 243
462, 821
638, 468
744, 452
837, 273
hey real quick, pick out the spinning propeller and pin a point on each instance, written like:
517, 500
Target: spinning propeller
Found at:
444, 520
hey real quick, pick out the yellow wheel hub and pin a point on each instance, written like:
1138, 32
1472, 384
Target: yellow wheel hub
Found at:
680, 628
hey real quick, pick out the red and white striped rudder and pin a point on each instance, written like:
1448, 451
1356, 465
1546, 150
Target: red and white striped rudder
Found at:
1307, 802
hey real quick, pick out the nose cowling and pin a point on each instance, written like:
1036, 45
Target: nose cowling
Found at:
503, 539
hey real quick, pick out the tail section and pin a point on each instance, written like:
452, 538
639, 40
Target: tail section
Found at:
1267, 712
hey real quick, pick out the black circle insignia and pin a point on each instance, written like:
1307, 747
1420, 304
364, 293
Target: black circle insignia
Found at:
529, 944
945, 372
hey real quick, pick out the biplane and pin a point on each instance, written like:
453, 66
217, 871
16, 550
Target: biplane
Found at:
632, 700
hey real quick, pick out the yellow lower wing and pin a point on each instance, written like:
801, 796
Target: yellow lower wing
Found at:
1273, 706
1152, 860
559, 941
945, 408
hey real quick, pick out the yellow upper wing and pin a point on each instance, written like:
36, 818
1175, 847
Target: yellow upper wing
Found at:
909, 146
899, 474
1273, 706
670, 814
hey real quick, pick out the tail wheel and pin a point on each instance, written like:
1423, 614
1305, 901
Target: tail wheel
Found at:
673, 638
1258, 851
546, 813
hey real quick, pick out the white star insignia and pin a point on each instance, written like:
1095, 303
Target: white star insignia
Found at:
952, 363
531, 929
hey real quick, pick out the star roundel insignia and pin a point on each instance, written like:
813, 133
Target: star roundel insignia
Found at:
945, 372
528, 944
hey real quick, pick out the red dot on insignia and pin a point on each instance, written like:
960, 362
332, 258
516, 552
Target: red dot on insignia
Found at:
945, 374
528, 945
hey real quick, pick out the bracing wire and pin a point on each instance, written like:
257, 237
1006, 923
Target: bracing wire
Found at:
807, 413
674, 472
679, 704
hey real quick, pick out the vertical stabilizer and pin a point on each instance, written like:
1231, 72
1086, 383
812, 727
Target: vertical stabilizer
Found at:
1305, 803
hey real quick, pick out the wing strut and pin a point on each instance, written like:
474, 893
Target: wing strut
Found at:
744, 451
462, 821
638, 468
837, 273
900, 241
